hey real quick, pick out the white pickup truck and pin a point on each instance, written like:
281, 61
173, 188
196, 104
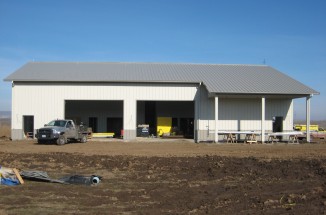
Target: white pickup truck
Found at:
61, 132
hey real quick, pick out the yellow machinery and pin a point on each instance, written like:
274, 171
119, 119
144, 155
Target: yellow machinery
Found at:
111, 134
304, 127
164, 125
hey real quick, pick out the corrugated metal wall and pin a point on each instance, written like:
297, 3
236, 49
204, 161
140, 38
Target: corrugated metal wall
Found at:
240, 114
245, 114
47, 101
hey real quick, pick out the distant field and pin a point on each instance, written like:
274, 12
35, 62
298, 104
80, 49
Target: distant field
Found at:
5, 114
5, 127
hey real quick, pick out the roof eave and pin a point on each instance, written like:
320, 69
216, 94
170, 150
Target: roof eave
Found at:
263, 94
100, 81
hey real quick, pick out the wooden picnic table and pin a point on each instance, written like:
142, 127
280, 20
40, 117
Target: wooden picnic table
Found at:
230, 136
293, 136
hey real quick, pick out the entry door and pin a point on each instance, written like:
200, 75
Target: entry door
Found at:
278, 125
28, 123
92, 122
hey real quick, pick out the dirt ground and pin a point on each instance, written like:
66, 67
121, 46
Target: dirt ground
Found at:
168, 177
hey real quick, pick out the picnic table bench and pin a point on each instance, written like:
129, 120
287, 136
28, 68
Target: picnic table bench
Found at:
293, 136
231, 136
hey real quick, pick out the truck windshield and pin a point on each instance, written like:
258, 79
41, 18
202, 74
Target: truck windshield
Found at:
59, 123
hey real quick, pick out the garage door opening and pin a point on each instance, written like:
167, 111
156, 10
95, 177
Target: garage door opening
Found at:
167, 119
115, 125
101, 116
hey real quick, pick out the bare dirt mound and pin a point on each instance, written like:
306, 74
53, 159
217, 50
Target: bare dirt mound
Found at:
169, 185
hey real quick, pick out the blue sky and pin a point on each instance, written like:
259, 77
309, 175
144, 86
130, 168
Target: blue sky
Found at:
285, 34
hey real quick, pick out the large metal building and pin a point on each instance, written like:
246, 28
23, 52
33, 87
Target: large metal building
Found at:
201, 99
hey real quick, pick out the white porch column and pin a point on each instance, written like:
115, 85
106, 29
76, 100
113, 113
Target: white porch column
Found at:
308, 117
263, 119
216, 119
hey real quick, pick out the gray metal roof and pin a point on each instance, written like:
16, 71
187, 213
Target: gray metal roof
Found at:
218, 78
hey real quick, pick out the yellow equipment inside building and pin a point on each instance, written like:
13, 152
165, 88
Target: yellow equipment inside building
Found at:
164, 125
108, 134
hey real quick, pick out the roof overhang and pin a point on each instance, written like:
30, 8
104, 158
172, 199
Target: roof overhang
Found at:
260, 95
101, 82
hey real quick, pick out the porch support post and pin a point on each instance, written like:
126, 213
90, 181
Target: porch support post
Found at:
263, 119
308, 117
216, 119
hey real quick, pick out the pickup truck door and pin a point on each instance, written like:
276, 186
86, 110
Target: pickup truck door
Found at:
71, 131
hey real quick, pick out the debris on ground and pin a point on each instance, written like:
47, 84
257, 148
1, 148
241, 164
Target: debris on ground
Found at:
39, 176
74, 179
79, 179
11, 176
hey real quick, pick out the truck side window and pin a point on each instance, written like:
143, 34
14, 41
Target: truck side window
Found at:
69, 125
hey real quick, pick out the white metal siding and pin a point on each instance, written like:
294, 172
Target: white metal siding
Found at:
206, 111
237, 114
46, 101
129, 115
279, 107
245, 114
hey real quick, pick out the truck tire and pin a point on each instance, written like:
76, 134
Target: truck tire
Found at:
83, 139
61, 140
